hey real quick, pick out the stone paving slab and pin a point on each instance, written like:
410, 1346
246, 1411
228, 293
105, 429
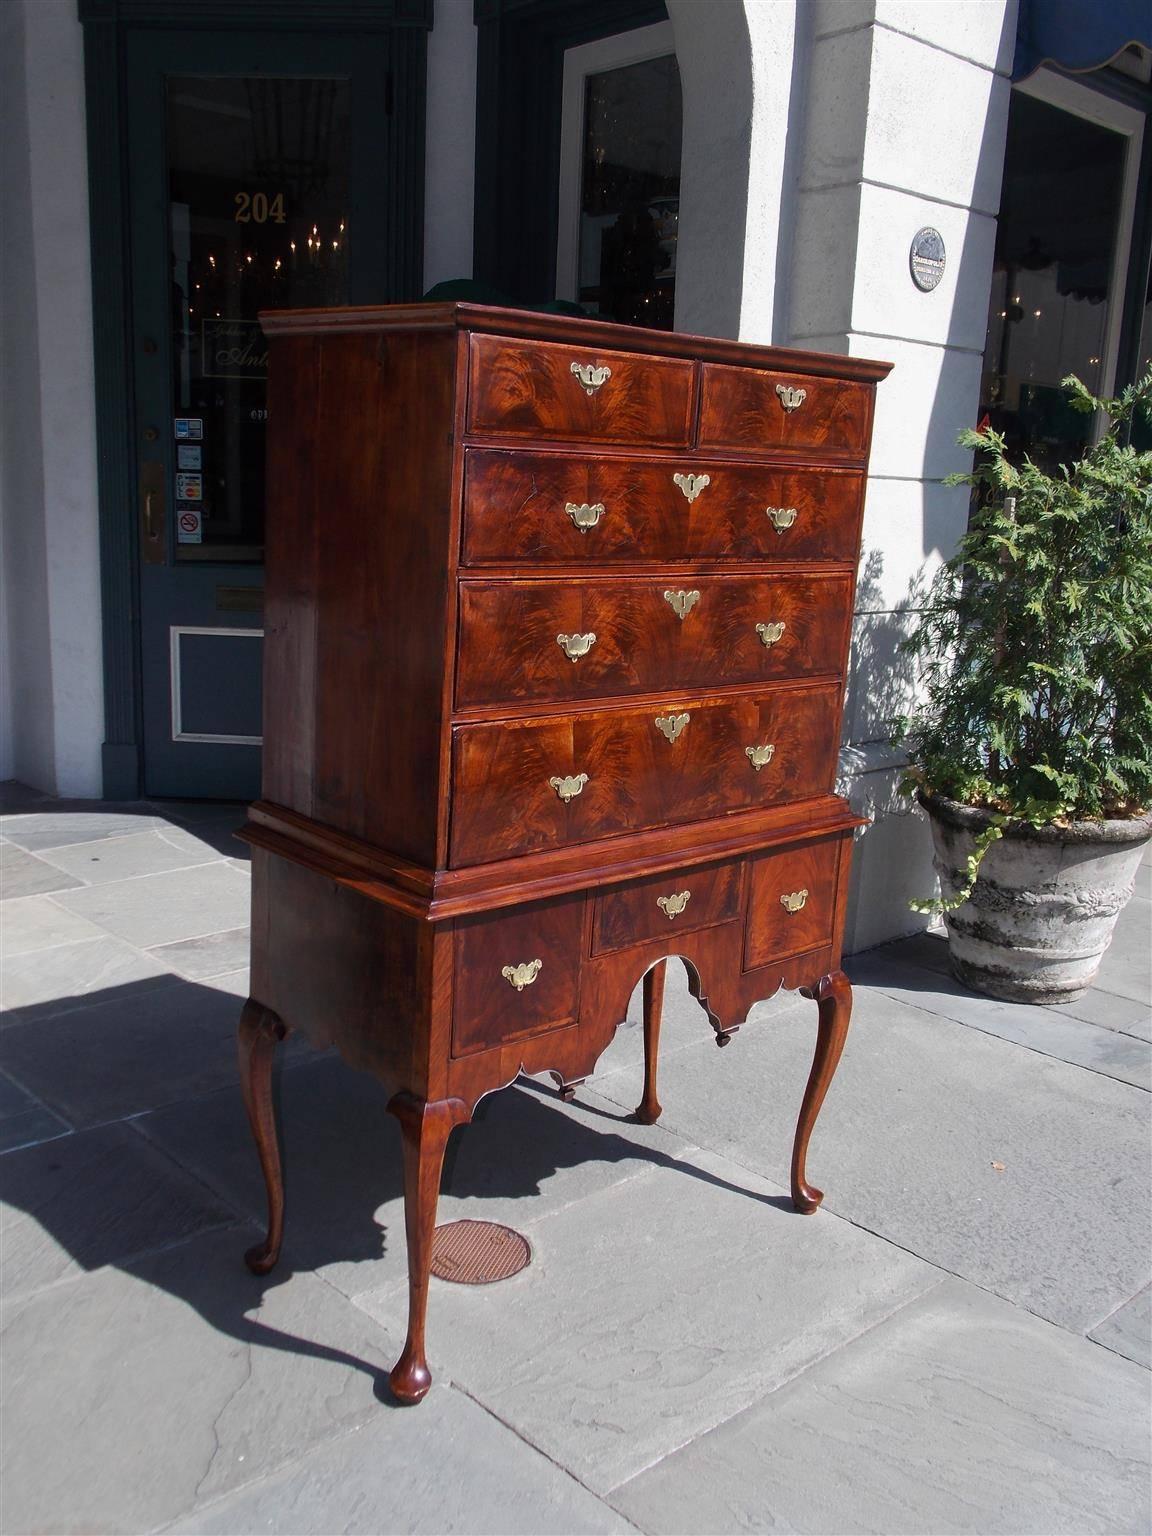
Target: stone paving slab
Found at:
69, 975
125, 858
958, 1413
655, 1310
525, 1156
449, 1467
1126, 968
920, 1111
142, 1046
53, 825
208, 955
133, 1395
37, 922
96, 1198
1129, 1330
23, 874
24, 1120
1049, 1030
161, 908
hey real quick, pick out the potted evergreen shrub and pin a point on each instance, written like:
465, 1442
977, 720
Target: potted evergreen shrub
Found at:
1032, 748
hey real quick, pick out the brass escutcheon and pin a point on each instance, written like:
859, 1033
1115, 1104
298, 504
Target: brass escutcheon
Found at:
794, 901
584, 515
575, 646
671, 725
760, 757
770, 633
682, 603
781, 517
590, 376
791, 398
522, 976
569, 786
672, 906
691, 485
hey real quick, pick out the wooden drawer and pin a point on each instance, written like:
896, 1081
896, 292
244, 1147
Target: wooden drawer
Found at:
509, 776
666, 905
558, 640
746, 408
792, 902
515, 508
491, 1008
539, 389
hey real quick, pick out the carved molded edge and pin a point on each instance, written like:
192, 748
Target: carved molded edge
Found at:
436, 895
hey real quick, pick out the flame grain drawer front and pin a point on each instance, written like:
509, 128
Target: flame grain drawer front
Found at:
564, 640
792, 903
562, 509
538, 389
560, 779
667, 905
753, 411
516, 973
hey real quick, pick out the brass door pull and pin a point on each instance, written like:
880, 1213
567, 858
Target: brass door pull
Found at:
760, 757
521, 976
794, 901
671, 726
691, 485
791, 398
770, 633
590, 377
584, 516
672, 906
781, 517
575, 646
569, 786
681, 603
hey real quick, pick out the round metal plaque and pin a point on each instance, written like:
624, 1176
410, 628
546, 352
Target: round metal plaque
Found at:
478, 1252
927, 258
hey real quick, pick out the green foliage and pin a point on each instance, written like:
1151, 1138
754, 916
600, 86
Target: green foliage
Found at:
1034, 649
980, 846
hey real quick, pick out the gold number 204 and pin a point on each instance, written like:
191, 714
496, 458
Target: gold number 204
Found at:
259, 208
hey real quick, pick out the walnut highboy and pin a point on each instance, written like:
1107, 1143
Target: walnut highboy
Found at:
557, 619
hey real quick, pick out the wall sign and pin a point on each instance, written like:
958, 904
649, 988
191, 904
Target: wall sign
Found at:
189, 525
927, 258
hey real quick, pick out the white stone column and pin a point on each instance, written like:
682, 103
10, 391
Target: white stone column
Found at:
51, 564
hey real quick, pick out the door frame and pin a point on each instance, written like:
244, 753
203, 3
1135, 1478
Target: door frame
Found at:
107, 25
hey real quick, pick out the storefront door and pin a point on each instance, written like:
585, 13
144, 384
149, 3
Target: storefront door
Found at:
255, 165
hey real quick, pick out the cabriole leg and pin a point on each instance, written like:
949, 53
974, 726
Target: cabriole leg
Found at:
425, 1129
649, 1109
260, 1032
833, 994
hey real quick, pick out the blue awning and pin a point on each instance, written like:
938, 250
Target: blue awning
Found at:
1078, 34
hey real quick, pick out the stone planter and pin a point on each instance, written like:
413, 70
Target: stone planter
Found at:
1045, 901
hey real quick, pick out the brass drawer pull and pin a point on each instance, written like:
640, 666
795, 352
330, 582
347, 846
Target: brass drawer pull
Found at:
691, 485
575, 646
770, 633
569, 786
781, 517
590, 377
672, 906
584, 516
794, 901
760, 757
521, 976
671, 725
791, 398
682, 603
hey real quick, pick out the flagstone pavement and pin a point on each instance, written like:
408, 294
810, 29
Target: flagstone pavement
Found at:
958, 1341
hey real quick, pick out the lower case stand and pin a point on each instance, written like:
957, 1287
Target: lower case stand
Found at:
833, 994
648, 1111
259, 1033
425, 1129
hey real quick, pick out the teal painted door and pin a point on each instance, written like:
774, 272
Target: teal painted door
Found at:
255, 172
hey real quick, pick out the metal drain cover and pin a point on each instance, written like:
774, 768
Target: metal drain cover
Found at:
478, 1252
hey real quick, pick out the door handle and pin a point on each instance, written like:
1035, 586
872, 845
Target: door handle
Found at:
152, 510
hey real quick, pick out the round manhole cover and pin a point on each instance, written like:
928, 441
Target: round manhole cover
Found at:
478, 1252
